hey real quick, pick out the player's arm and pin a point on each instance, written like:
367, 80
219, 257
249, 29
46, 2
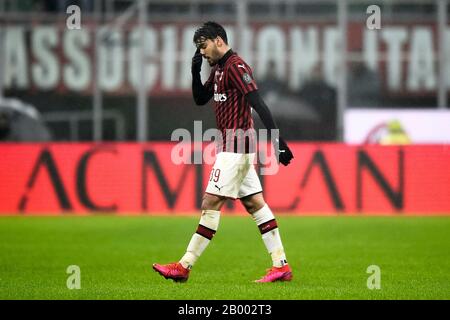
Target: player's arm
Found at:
242, 80
200, 93
258, 104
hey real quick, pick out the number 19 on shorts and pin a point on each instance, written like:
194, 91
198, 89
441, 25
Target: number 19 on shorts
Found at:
215, 175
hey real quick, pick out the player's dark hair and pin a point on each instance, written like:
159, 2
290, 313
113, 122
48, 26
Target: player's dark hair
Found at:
210, 30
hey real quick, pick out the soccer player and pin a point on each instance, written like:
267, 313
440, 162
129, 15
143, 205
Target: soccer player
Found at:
235, 92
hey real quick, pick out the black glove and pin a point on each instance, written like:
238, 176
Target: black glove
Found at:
284, 153
197, 60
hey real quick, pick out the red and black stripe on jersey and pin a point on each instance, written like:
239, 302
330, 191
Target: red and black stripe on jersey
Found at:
230, 80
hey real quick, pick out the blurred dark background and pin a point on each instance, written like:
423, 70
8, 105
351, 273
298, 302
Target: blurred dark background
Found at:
291, 45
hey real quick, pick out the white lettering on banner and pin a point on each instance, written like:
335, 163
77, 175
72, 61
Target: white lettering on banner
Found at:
45, 72
447, 54
331, 59
421, 65
230, 35
188, 50
150, 68
271, 46
168, 58
395, 38
304, 55
65, 58
370, 49
16, 62
246, 45
77, 73
110, 59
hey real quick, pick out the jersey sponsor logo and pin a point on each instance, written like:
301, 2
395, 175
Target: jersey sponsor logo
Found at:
246, 77
220, 97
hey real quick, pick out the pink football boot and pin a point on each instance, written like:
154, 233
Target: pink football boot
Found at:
283, 273
174, 271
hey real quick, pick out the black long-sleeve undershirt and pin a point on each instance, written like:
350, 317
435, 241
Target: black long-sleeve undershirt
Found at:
200, 93
257, 103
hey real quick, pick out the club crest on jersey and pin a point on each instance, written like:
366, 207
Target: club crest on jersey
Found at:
246, 77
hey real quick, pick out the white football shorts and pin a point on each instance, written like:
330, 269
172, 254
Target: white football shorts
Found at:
234, 176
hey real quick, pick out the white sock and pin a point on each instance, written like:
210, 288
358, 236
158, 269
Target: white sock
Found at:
265, 220
209, 223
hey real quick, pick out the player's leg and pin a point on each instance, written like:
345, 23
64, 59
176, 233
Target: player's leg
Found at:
223, 183
207, 227
267, 224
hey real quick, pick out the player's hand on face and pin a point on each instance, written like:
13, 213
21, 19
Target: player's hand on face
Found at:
197, 60
284, 153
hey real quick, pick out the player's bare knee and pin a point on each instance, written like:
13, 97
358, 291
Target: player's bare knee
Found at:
212, 202
248, 205
254, 207
253, 203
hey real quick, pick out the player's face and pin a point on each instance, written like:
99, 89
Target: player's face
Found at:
209, 51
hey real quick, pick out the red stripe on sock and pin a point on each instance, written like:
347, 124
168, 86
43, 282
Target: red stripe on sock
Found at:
205, 232
267, 226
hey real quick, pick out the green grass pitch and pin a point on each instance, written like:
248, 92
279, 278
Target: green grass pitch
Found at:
329, 257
